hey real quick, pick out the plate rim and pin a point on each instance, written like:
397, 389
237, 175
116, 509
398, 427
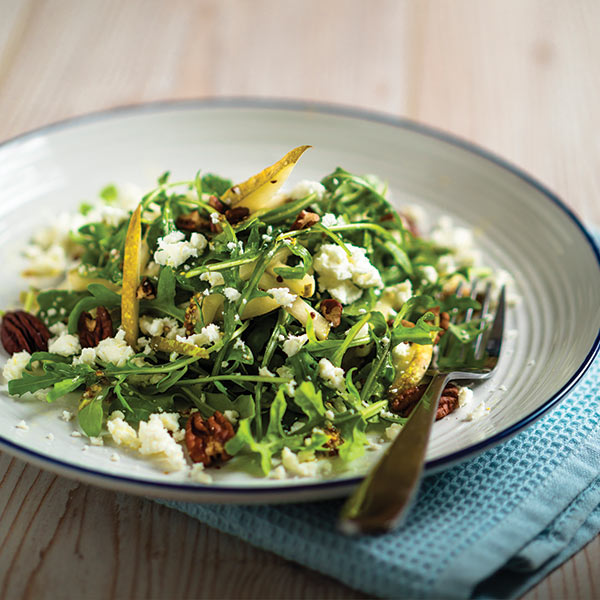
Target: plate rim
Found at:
142, 486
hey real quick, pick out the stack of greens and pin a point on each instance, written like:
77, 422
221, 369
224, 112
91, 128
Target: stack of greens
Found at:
292, 314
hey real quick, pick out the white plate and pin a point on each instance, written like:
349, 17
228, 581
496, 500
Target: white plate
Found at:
520, 226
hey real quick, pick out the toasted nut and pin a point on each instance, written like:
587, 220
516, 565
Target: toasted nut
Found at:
192, 222
404, 402
237, 214
305, 219
147, 290
21, 330
217, 204
332, 310
205, 438
92, 330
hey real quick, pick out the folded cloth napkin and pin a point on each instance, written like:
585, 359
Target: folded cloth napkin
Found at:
488, 528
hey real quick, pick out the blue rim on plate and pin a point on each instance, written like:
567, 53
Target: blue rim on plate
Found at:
359, 114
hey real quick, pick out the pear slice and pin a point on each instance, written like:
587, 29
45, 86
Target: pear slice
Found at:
411, 369
130, 305
258, 192
165, 345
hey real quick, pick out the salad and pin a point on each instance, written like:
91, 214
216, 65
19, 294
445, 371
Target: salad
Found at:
213, 321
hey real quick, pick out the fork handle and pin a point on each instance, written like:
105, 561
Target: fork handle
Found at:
385, 494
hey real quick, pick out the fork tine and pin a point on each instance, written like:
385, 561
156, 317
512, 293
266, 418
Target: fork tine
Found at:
485, 311
494, 341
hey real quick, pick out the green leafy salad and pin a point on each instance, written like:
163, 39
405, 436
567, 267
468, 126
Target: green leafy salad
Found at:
217, 321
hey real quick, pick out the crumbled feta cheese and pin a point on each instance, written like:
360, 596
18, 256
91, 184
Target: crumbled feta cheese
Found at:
278, 472
75, 434
296, 425
115, 457
446, 264
87, 356
96, 441
401, 351
282, 296
396, 295
231, 246
22, 425
15, 365
392, 431
231, 294
293, 343
294, 467
459, 239
65, 345
329, 220
50, 262
165, 326
208, 335
477, 412
198, 474
58, 329
121, 432
342, 275
67, 416
50, 437
156, 441
144, 343
198, 241
332, 376
174, 251
215, 218
363, 332
115, 350
465, 395
305, 188
429, 274
264, 372
232, 416
214, 278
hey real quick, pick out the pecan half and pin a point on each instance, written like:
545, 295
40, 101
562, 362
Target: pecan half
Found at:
92, 330
192, 222
147, 290
217, 204
404, 402
237, 214
332, 310
21, 330
305, 219
205, 438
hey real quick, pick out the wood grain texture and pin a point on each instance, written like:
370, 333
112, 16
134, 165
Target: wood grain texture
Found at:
516, 76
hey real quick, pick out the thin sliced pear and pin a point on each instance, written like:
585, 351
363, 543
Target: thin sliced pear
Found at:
411, 369
258, 192
302, 311
165, 345
259, 306
133, 256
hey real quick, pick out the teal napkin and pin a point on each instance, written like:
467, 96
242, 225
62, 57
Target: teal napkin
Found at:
491, 527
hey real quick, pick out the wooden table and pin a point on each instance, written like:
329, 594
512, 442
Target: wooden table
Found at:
518, 77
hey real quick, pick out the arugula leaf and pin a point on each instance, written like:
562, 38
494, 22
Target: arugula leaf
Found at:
310, 401
165, 296
56, 304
